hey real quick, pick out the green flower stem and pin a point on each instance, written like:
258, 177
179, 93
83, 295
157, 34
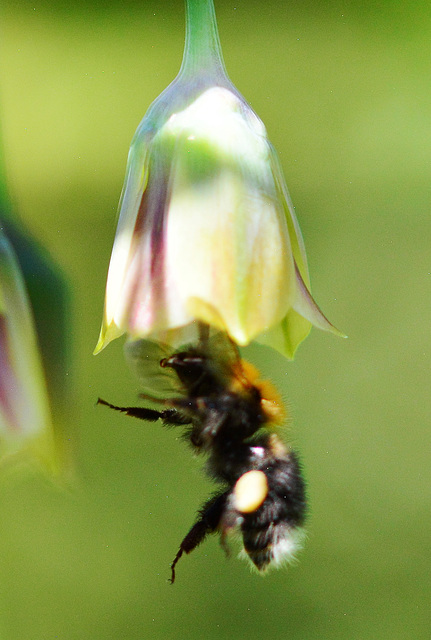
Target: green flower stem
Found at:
202, 51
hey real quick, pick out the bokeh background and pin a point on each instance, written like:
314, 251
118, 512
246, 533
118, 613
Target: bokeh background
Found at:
344, 90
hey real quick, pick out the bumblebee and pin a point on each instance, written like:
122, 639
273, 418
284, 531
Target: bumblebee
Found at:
232, 416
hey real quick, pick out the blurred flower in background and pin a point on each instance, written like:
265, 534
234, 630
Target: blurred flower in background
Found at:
33, 351
207, 231
25, 417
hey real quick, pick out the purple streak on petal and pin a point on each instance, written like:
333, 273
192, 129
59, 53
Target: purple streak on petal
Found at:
150, 222
146, 284
8, 381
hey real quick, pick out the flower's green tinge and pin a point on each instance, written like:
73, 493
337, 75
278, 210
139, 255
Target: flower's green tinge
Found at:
25, 419
206, 229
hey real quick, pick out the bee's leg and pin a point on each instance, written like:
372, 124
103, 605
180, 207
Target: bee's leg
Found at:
169, 416
208, 522
197, 406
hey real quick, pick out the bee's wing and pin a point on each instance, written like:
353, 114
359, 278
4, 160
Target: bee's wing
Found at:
221, 347
225, 355
143, 357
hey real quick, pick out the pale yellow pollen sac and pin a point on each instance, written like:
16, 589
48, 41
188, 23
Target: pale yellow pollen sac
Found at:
250, 491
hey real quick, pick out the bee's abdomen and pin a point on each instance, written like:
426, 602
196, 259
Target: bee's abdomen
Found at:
272, 533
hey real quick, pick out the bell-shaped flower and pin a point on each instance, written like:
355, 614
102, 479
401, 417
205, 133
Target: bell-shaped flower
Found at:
207, 231
25, 419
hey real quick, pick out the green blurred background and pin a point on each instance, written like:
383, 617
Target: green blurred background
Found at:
345, 92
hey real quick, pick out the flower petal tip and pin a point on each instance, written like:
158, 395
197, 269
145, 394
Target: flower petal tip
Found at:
306, 306
101, 344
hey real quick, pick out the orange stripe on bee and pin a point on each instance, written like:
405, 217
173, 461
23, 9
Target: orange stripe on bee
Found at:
247, 375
